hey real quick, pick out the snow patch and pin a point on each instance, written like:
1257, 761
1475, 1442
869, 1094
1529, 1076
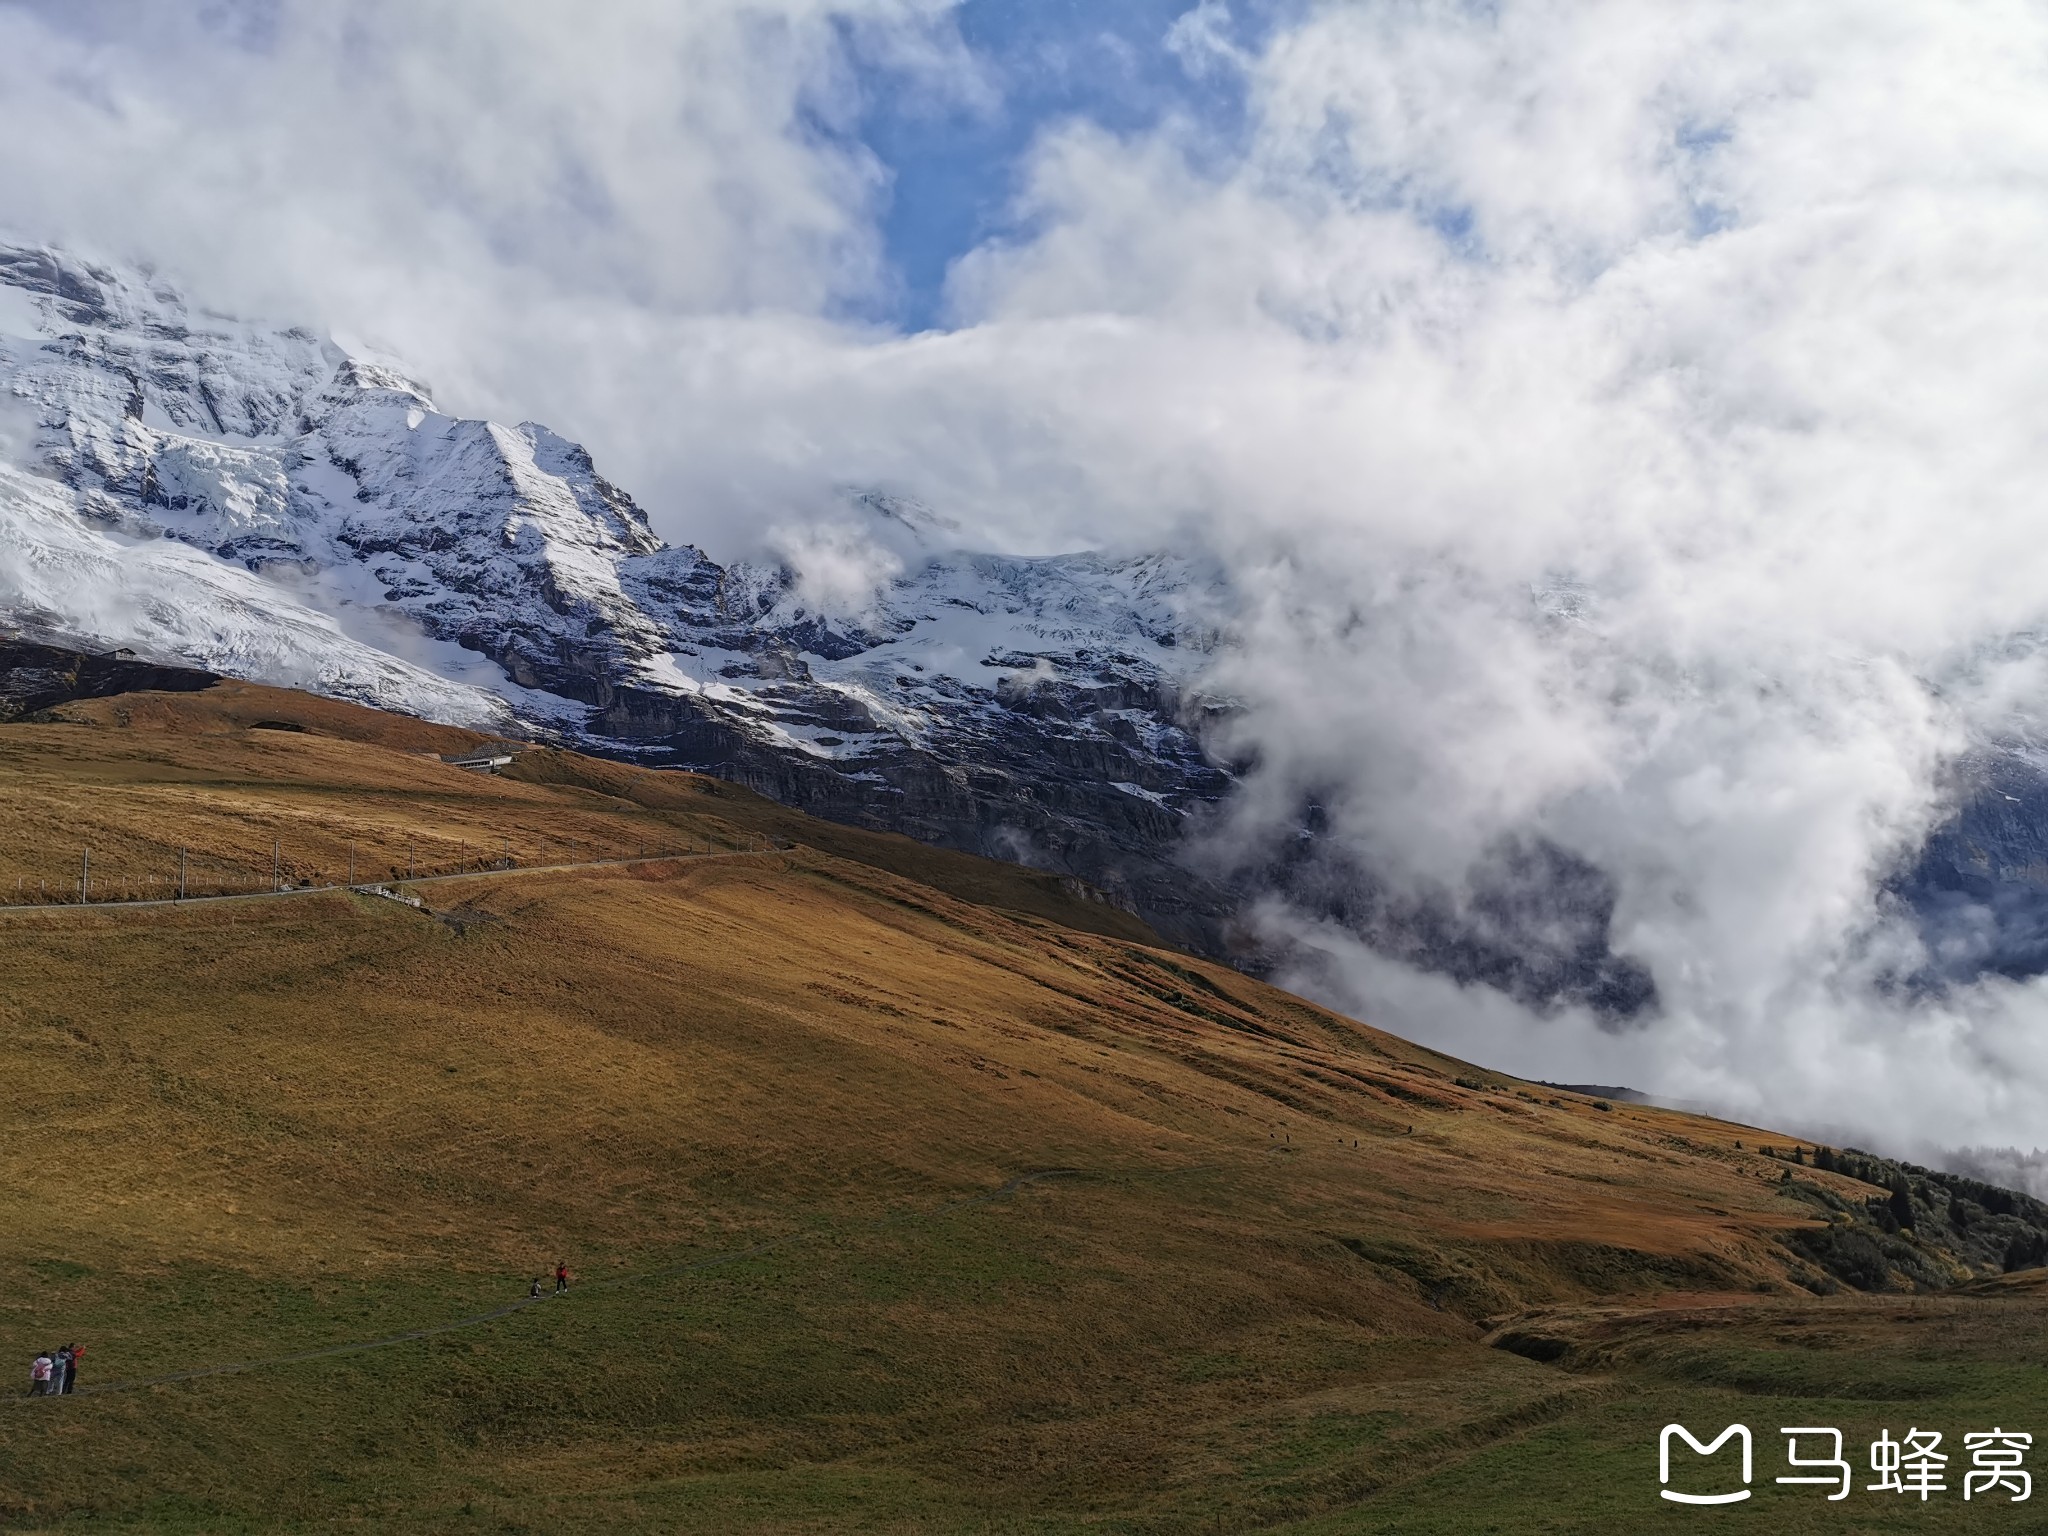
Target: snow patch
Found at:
20, 314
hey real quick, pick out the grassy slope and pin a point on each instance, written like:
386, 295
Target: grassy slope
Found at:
1259, 1299
138, 778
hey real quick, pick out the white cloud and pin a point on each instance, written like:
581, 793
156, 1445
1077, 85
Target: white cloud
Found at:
1725, 317
1201, 39
841, 569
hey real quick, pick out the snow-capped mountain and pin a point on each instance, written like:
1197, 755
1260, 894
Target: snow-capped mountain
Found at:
260, 502
264, 504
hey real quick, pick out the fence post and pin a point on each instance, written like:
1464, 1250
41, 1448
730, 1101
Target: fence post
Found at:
351, 862
181, 874
84, 876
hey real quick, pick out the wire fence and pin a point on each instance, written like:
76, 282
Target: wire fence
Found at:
127, 875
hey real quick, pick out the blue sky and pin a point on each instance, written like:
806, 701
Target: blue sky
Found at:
955, 165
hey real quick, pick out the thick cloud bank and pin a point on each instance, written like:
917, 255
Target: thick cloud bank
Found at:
1622, 424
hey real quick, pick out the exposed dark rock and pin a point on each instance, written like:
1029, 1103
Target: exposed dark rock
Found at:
36, 677
1979, 888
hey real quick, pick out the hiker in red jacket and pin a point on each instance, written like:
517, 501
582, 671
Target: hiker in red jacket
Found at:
561, 1277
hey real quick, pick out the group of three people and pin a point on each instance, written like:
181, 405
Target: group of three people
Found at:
54, 1371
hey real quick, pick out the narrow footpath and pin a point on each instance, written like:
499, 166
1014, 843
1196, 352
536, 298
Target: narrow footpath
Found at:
377, 887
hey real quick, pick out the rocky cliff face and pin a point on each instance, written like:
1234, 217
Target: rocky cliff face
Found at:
1980, 885
36, 677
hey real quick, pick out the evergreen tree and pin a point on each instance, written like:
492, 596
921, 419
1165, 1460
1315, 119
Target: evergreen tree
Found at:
2026, 1251
1901, 1202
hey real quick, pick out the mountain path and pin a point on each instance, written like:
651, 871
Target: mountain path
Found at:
377, 887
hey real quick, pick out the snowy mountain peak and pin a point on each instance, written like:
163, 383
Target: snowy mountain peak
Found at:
267, 503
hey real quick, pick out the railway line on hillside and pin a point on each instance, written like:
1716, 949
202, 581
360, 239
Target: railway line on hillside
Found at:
376, 887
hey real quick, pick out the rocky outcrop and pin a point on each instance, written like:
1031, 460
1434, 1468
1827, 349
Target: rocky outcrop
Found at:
36, 677
1979, 887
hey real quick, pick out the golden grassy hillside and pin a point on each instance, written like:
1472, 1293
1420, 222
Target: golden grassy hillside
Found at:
1262, 1288
240, 774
